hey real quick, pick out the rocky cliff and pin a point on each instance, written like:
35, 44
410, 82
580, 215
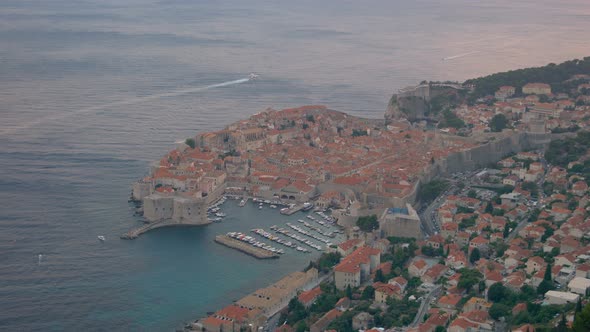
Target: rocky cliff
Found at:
422, 102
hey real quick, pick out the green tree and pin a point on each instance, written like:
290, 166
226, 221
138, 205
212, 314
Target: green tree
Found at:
506, 231
547, 275
469, 278
301, 326
297, 311
475, 255
489, 208
562, 325
429, 191
368, 223
190, 142
582, 320
498, 122
545, 286
498, 310
368, 293
349, 292
328, 260
579, 306
497, 292
472, 193
343, 323
450, 119
379, 277
440, 328
531, 187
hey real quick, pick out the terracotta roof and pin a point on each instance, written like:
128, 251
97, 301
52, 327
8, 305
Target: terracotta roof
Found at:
351, 263
233, 312
307, 297
450, 299
420, 264
477, 316
463, 323
386, 288
349, 244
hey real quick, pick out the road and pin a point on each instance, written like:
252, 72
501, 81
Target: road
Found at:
428, 215
425, 305
524, 220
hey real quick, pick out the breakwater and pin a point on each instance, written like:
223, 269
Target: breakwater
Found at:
244, 247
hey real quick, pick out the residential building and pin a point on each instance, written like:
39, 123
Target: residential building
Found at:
356, 267
536, 89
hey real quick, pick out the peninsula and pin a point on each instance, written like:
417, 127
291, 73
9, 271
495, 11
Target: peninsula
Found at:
295, 156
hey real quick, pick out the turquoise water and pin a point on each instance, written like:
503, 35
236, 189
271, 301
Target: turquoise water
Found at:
92, 92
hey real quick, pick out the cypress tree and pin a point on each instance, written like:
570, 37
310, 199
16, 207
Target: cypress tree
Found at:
562, 326
547, 275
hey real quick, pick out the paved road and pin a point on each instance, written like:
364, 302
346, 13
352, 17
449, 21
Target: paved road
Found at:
428, 216
425, 305
524, 221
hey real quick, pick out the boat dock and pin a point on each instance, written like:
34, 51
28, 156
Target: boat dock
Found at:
290, 210
245, 247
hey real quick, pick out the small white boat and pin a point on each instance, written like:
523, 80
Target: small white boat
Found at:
101, 238
259, 207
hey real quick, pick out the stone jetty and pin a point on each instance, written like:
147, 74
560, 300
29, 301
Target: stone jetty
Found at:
245, 247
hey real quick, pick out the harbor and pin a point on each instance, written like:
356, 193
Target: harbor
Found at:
291, 239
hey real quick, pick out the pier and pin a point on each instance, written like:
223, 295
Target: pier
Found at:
289, 211
136, 232
245, 247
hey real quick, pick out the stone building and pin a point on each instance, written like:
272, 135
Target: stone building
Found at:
402, 222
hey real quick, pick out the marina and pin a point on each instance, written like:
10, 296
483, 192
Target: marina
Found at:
296, 237
330, 233
276, 239
301, 231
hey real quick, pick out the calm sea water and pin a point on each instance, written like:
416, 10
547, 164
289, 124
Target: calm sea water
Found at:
92, 91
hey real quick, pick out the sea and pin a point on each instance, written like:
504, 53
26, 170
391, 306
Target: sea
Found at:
91, 92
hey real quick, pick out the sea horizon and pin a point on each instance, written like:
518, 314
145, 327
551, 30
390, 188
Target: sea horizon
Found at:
92, 93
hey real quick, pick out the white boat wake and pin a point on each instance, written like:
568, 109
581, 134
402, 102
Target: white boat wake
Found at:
129, 101
460, 55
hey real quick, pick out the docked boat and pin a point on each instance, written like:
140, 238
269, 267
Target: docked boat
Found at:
242, 203
252, 241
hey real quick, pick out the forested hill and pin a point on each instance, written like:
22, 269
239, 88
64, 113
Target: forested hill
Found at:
555, 75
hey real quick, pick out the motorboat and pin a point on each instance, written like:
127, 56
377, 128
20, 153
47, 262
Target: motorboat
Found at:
101, 238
